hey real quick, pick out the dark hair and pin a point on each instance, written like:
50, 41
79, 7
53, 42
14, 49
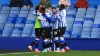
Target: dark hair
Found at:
61, 7
37, 7
43, 10
53, 7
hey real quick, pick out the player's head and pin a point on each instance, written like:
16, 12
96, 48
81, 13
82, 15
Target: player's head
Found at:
38, 7
49, 8
53, 9
42, 10
46, 10
61, 7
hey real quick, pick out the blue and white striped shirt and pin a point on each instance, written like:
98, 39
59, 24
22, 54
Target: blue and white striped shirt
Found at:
55, 17
62, 22
43, 20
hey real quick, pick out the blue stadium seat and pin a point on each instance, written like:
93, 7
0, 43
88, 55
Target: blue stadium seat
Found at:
0, 8
95, 34
0, 5
5, 12
69, 23
70, 20
3, 15
33, 35
90, 15
17, 30
30, 20
69, 27
25, 9
86, 29
76, 33
27, 30
21, 20
6, 8
78, 24
95, 31
87, 25
97, 21
11, 20
96, 26
15, 9
13, 15
30, 12
79, 19
70, 16
80, 14
75, 36
8, 30
22, 15
19, 27
86, 33
23, 12
81, 9
1, 27
33, 32
3, 19
67, 34
98, 6
86, 36
72, 11
77, 28
98, 9
32, 8
97, 12
97, 15
97, 18
14, 12
31, 15
91, 9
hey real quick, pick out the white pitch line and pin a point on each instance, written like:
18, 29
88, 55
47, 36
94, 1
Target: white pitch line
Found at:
16, 53
2, 54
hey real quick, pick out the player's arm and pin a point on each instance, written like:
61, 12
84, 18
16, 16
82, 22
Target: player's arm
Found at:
50, 19
40, 16
34, 13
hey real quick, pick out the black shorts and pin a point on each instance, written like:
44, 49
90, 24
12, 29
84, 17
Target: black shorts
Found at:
62, 31
56, 32
38, 32
46, 32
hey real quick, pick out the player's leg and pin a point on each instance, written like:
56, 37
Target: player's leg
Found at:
64, 44
50, 39
45, 39
36, 40
30, 46
56, 36
62, 40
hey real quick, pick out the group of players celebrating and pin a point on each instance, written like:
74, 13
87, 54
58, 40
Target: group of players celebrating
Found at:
50, 24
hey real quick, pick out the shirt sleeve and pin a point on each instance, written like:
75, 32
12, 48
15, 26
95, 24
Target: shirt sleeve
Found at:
64, 12
40, 17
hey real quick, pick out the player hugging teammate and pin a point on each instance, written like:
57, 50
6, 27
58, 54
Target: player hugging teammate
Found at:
51, 21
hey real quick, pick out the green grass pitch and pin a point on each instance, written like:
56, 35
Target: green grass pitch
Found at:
69, 53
